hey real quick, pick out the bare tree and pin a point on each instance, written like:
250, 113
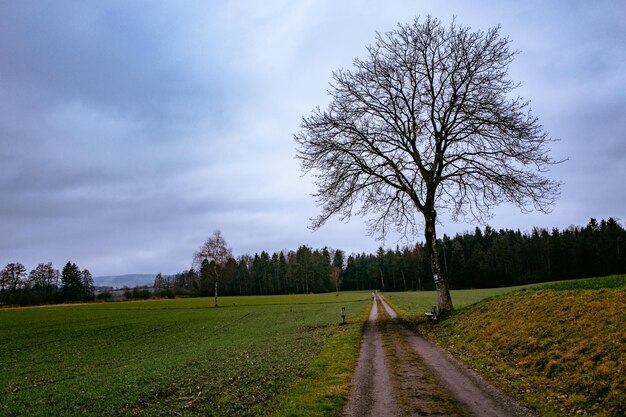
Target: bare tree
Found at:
13, 277
89, 291
44, 278
425, 124
216, 253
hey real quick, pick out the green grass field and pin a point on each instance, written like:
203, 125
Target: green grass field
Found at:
557, 346
412, 305
173, 357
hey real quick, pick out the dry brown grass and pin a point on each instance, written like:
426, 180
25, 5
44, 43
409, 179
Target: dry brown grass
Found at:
561, 352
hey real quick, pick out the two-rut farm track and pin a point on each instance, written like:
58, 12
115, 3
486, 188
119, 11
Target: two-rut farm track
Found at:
400, 373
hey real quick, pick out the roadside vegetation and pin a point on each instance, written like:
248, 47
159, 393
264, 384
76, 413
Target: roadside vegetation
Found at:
325, 387
560, 347
178, 357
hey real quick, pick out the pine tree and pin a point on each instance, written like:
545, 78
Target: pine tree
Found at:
71, 281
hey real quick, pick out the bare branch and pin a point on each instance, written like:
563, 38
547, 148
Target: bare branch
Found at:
426, 119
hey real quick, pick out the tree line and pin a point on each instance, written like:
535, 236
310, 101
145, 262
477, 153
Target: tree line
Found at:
44, 284
286, 272
488, 258
482, 259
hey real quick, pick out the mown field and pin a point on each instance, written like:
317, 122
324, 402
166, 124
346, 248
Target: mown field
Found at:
560, 348
254, 356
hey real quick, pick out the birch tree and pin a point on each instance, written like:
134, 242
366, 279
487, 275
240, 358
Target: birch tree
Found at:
216, 252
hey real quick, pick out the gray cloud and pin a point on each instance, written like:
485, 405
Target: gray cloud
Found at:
129, 131
111, 54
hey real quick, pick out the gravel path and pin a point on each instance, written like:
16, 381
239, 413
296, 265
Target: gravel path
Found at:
400, 373
372, 392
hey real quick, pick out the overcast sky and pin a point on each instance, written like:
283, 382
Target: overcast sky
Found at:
131, 130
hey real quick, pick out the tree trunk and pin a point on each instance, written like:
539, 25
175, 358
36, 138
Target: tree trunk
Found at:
444, 300
215, 305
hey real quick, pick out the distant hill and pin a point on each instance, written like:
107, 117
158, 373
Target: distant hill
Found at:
119, 281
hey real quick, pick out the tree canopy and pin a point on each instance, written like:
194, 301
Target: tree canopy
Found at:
426, 123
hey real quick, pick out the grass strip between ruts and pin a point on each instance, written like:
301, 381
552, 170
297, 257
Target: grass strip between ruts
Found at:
325, 387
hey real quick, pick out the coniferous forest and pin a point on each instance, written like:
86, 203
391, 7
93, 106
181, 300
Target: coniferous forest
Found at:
482, 259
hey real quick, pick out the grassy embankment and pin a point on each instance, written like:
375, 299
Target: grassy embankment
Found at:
559, 348
252, 357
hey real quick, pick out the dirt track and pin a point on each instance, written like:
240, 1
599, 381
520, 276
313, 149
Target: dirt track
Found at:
400, 373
